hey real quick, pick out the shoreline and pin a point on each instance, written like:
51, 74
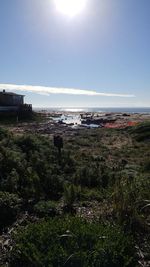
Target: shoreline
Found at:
71, 122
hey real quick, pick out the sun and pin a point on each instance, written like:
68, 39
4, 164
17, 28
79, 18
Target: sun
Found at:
70, 8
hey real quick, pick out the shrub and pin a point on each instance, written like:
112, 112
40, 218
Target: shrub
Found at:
93, 175
4, 133
142, 132
45, 208
129, 198
70, 195
9, 208
28, 142
92, 194
72, 242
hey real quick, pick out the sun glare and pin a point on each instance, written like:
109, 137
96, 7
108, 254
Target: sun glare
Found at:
70, 8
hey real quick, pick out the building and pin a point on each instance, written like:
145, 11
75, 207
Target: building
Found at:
13, 103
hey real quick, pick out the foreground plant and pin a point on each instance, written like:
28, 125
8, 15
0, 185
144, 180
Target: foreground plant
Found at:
72, 242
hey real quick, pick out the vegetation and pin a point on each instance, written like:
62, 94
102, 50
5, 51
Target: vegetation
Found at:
72, 242
13, 119
45, 208
101, 176
9, 208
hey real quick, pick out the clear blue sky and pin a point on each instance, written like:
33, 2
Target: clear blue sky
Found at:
106, 48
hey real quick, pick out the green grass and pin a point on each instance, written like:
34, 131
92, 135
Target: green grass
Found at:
104, 169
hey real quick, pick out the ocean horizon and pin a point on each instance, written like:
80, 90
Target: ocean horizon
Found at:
97, 109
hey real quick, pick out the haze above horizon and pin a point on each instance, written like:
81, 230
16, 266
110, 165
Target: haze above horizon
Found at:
94, 55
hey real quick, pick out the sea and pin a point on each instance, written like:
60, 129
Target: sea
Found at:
103, 110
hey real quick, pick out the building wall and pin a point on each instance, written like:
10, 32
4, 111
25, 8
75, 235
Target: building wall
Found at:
11, 100
8, 108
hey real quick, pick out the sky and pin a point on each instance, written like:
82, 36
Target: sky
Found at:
98, 58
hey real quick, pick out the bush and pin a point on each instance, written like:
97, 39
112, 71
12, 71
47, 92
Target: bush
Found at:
45, 208
9, 208
72, 242
129, 197
4, 133
92, 194
93, 175
142, 132
70, 195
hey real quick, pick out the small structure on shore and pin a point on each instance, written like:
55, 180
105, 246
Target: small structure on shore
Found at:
13, 104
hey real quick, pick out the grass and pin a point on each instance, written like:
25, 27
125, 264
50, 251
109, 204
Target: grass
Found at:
103, 176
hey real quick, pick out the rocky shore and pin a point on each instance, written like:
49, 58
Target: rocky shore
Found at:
72, 122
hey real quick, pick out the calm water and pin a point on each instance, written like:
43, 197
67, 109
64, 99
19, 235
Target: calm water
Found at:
124, 110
